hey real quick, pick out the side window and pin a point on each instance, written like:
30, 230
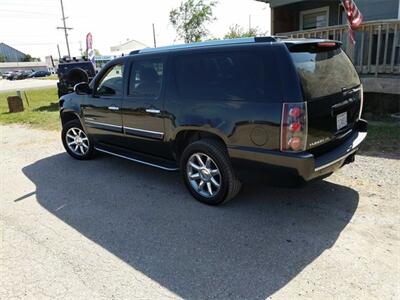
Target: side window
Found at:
146, 78
222, 76
111, 83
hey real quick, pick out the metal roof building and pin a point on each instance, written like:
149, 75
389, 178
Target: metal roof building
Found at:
20, 66
11, 54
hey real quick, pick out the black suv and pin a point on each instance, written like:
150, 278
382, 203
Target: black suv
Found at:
223, 111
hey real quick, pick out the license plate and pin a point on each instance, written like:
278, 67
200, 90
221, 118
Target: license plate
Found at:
341, 120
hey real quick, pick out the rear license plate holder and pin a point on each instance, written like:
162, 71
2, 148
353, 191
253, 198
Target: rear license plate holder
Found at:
341, 120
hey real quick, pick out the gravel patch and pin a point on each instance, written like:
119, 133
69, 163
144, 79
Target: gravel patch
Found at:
111, 229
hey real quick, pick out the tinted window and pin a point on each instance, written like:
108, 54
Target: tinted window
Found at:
146, 78
228, 76
325, 73
112, 82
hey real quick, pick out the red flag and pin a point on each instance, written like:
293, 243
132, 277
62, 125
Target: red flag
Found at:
354, 17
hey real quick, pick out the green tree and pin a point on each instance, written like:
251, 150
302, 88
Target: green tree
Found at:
2, 58
237, 31
29, 58
190, 19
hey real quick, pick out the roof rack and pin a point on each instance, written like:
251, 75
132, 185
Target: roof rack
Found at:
262, 39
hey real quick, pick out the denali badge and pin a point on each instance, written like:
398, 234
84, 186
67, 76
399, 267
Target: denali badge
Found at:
319, 141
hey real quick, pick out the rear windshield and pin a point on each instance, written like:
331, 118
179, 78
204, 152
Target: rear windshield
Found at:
324, 73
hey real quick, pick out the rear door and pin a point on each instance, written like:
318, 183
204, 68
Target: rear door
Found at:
332, 89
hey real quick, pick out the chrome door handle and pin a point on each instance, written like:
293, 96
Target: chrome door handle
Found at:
153, 111
113, 108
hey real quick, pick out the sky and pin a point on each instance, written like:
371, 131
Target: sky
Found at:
30, 25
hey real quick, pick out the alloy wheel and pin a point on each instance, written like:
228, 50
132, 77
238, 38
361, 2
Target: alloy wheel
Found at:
203, 175
77, 141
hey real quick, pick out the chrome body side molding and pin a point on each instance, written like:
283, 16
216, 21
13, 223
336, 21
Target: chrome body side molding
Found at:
101, 125
145, 133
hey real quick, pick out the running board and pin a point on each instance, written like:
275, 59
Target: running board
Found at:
154, 162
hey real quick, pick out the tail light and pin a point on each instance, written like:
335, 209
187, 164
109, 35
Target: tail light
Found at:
294, 127
361, 101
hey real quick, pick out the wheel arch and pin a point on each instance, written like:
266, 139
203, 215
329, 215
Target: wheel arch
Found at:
186, 136
69, 115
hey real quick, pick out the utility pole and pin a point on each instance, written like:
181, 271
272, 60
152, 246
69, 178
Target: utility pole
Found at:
59, 53
65, 28
154, 36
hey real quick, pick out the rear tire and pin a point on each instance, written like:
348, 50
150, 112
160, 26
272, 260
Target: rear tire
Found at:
208, 173
76, 142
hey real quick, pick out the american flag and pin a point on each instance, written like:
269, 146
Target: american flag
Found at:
354, 17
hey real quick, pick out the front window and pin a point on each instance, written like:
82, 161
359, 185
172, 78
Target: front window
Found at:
111, 83
314, 18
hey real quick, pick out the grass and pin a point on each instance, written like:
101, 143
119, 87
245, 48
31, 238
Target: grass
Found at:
383, 136
51, 77
42, 111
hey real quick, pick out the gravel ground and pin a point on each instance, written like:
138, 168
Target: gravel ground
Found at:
25, 84
111, 229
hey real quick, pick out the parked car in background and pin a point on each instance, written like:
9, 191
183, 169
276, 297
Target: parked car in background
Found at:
39, 74
223, 111
8, 74
20, 75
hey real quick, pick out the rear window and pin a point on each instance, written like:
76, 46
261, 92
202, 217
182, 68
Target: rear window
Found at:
242, 75
324, 73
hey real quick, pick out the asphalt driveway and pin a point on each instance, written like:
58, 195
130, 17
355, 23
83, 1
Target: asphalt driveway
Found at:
111, 229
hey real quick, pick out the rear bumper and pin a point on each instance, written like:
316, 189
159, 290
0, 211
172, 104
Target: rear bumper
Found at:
266, 163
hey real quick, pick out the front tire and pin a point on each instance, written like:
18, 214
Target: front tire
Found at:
208, 173
76, 142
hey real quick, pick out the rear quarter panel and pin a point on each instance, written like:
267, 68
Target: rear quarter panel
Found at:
248, 123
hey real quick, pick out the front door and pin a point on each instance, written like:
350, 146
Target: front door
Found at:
102, 112
142, 108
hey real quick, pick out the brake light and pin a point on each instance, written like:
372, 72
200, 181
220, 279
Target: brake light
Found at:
361, 101
327, 44
294, 127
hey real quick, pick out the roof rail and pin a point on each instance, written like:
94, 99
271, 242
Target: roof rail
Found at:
264, 39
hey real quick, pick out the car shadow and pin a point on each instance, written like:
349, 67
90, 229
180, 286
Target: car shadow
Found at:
53, 106
248, 248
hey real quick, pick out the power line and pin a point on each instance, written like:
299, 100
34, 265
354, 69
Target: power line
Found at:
30, 12
16, 5
35, 44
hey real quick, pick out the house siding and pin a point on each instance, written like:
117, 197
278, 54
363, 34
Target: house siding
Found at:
286, 13
379, 9
287, 18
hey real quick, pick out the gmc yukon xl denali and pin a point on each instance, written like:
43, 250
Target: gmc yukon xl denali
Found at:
223, 111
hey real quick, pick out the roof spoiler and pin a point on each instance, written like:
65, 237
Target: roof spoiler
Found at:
314, 46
